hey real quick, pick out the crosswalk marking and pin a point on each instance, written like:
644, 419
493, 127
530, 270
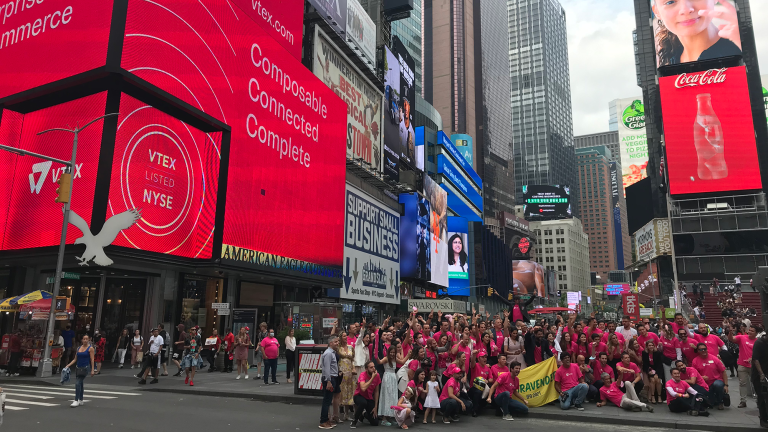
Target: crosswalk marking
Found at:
12, 393
13, 408
72, 389
55, 392
29, 402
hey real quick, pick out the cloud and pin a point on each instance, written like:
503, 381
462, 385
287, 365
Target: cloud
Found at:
602, 59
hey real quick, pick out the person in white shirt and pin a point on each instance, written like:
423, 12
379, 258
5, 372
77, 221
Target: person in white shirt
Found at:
290, 349
152, 361
627, 331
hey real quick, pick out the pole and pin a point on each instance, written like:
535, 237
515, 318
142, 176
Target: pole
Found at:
668, 196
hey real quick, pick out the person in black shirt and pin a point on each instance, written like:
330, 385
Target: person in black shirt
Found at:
759, 367
685, 32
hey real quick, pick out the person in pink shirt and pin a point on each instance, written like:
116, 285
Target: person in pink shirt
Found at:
746, 343
596, 347
686, 346
681, 397
611, 391
270, 349
451, 403
569, 382
629, 374
499, 367
693, 378
581, 346
480, 369
463, 347
712, 370
714, 343
643, 336
592, 328
668, 343
505, 393
611, 331
679, 323
367, 396
601, 366
444, 327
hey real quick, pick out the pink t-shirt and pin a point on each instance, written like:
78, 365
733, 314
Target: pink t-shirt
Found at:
745, 349
688, 348
676, 327
612, 393
607, 335
598, 369
648, 336
463, 349
433, 357
629, 376
690, 372
568, 377
711, 368
271, 347
496, 370
507, 384
712, 342
499, 339
680, 387
481, 371
595, 350
439, 334
589, 332
351, 340
452, 383
517, 315
668, 348
578, 350
414, 365
364, 377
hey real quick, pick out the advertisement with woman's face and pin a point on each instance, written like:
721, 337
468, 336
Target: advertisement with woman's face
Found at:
458, 261
694, 30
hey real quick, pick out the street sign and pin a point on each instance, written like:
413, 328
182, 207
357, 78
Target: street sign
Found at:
646, 312
220, 306
64, 275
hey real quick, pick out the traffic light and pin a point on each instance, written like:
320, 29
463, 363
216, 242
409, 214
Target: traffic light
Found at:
64, 190
490, 291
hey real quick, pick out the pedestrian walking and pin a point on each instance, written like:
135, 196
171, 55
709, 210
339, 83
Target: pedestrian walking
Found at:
178, 348
164, 351
14, 346
192, 359
212, 344
69, 344
137, 345
746, 345
242, 343
329, 380
100, 343
84, 358
290, 351
229, 346
270, 348
123, 345
152, 357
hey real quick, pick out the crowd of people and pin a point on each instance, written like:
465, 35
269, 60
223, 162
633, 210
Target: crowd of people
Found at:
462, 364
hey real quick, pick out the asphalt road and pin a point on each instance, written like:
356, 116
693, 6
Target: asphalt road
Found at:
119, 409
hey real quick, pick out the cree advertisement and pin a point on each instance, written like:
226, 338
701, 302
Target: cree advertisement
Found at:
708, 132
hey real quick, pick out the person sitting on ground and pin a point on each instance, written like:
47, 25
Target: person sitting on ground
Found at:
610, 391
683, 398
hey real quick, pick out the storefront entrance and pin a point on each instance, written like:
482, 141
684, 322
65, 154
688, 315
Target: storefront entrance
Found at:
197, 296
122, 308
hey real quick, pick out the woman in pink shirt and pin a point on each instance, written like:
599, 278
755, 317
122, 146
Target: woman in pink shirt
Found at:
614, 350
610, 391
581, 346
668, 347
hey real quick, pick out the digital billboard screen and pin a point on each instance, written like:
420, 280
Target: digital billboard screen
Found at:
683, 28
616, 289
29, 214
528, 278
633, 140
400, 105
708, 132
415, 237
458, 257
547, 202
169, 170
42, 42
438, 229
287, 164
281, 19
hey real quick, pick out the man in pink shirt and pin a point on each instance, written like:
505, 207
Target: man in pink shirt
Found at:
601, 366
444, 326
692, 377
270, 348
713, 343
569, 382
680, 396
643, 336
746, 343
686, 345
677, 324
505, 393
612, 330
712, 370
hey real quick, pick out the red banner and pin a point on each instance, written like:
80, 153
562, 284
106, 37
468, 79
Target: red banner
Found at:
631, 305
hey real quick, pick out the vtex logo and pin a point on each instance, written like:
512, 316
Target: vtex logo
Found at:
42, 168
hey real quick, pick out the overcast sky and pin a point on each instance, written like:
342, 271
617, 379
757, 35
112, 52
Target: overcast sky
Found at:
602, 57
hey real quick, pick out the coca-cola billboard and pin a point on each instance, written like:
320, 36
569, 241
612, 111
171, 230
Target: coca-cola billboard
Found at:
708, 132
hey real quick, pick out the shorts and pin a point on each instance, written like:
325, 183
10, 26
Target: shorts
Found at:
190, 361
178, 355
258, 357
164, 356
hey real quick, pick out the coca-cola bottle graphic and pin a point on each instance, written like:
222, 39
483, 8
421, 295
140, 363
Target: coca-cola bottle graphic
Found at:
708, 139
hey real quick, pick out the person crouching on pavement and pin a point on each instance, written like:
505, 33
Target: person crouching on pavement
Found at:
569, 382
191, 356
683, 398
451, 402
152, 359
611, 391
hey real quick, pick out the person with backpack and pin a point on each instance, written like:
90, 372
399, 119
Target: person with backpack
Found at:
178, 348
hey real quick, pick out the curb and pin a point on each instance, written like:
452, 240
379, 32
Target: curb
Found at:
259, 397
682, 425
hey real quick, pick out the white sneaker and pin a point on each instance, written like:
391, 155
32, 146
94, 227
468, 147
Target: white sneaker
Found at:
121, 366
246, 376
508, 417
238, 376
131, 366
75, 404
82, 402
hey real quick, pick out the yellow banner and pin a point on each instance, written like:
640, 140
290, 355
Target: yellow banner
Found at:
537, 383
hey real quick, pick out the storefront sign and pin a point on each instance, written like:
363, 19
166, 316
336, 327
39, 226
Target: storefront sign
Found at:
329, 322
219, 306
439, 305
361, 32
646, 312
516, 223
371, 250
276, 262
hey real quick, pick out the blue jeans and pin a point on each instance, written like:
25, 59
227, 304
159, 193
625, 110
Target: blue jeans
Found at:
508, 404
716, 391
576, 396
79, 388
270, 364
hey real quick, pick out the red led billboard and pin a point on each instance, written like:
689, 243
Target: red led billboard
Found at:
708, 131
288, 143
32, 218
281, 19
42, 42
170, 171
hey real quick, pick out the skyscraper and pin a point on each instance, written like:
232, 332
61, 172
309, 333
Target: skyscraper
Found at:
409, 32
542, 124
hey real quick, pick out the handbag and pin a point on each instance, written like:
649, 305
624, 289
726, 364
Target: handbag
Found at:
82, 372
726, 399
139, 356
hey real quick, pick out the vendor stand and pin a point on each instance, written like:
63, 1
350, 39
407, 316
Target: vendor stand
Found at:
309, 373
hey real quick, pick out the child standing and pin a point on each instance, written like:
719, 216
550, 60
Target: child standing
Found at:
433, 400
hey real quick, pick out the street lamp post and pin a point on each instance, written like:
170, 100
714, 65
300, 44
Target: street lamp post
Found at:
45, 369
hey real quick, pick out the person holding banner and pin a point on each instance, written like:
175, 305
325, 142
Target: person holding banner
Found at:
569, 382
505, 393
610, 391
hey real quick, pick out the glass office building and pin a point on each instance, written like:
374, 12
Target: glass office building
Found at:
409, 32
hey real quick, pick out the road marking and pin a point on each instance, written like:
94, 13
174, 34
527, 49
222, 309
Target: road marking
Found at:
30, 402
13, 408
68, 389
57, 392
13, 393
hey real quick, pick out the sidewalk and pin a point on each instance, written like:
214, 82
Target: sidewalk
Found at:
225, 385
